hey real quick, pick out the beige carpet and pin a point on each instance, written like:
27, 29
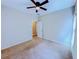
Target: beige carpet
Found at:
37, 48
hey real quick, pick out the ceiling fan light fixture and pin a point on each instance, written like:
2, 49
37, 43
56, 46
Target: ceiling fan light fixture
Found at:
38, 5
37, 8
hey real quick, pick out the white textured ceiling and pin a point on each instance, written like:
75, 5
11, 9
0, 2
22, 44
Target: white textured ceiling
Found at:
52, 6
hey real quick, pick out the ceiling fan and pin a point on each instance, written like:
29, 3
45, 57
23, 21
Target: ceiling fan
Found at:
38, 5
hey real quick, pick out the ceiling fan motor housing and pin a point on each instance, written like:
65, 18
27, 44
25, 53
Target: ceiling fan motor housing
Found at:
37, 4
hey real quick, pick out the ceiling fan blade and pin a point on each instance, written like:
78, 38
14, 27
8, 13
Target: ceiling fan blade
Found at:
44, 2
43, 8
31, 7
33, 2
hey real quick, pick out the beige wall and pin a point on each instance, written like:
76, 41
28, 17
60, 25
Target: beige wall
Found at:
57, 26
16, 26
